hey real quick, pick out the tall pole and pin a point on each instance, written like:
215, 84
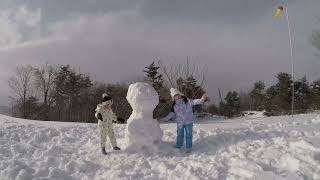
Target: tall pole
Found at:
291, 57
220, 102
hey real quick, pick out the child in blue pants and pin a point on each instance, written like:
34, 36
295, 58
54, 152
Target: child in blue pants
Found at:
183, 113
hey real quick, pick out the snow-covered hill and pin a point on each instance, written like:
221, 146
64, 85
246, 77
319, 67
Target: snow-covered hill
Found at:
253, 148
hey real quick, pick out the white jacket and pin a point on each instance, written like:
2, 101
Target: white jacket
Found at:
107, 115
105, 126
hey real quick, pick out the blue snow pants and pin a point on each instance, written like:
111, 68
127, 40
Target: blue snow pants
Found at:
181, 129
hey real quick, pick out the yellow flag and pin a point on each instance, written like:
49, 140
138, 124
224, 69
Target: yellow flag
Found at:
278, 13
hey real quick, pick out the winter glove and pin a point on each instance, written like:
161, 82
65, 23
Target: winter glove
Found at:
99, 116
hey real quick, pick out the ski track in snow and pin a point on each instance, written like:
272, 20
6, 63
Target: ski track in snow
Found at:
261, 148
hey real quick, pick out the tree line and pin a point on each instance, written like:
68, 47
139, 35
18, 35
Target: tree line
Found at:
60, 93
274, 100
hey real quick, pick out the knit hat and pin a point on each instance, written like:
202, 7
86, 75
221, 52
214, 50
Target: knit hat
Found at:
174, 91
106, 98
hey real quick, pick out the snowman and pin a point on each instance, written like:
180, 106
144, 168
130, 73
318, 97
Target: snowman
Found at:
142, 130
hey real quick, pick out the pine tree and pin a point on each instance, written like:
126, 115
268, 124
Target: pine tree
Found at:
245, 101
258, 96
156, 80
213, 109
191, 90
154, 76
302, 95
315, 95
232, 106
279, 95
271, 105
284, 91
71, 94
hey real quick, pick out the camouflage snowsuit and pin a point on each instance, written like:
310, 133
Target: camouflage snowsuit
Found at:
105, 125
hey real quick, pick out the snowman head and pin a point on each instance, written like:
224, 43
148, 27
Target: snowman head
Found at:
142, 97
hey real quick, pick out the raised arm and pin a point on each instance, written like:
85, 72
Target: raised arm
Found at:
199, 101
194, 102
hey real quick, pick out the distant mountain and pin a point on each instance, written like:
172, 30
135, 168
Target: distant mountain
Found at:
5, 110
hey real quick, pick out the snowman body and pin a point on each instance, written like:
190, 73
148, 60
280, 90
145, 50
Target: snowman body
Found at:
142, 130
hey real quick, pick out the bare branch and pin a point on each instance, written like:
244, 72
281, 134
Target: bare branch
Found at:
20, 85
189, 69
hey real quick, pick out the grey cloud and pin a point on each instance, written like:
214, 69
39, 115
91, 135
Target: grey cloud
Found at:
115, 45
54, 10
222, 11
119, 51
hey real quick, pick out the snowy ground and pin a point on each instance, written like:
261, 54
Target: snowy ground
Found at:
245, 148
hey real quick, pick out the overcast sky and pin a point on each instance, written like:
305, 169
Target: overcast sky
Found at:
237, 40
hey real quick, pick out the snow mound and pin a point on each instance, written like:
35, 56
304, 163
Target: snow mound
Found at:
142, 130
254, 114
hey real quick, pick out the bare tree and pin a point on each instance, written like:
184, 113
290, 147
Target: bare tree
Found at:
189, 77
44, 82
173, 72
20, 85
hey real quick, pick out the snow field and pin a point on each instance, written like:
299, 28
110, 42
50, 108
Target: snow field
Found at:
263, 148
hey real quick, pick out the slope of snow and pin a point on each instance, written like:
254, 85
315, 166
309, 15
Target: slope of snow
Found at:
262, 148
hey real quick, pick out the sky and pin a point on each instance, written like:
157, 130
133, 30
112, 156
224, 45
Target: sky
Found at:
113, 40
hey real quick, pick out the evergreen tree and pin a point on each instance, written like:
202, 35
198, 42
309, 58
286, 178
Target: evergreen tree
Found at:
315, 95
245, 101
213, 109
191, 90
302, 95
156, 80
231, 108
71, 94
284, 91
271, 106
258, 96
154, 76
189, 87
279, 96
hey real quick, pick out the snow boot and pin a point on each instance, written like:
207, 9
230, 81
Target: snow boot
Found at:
103, 150
188, 151
116, 148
